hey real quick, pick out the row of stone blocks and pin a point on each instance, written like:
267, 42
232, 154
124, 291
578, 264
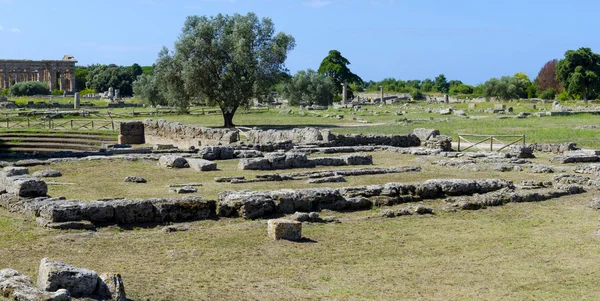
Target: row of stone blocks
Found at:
59, 281
289, 160
60, 213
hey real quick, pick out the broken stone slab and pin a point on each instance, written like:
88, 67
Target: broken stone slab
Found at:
184, 190
183, 185
245, 204
426, 134
202, 165
17, 286
575, 159
247, 154
173, 162
23, 185
284, 229
332, 179
538, 168
80, 282
132, 179
595, 203
49, 173
11, 171
520, 151
228, 179
72, 225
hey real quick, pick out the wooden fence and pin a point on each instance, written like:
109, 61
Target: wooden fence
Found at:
61, 124
493, 140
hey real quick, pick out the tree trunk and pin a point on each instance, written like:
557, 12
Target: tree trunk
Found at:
228, 120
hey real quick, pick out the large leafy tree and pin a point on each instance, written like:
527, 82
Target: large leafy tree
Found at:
579, 72
441, 84
505, 88
146, 89
102, 77
225, 60
309, 87
546, 78
335, 66
81, 74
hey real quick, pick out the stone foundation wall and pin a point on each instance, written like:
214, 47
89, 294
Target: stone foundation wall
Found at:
326, 138
186, 136
131, 132
554, 148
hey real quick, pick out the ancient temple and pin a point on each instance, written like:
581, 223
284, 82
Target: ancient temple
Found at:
58, 74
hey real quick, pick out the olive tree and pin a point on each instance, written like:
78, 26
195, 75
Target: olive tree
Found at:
145, 88
308, 88
225, 60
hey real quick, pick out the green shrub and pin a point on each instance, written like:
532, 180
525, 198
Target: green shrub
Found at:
563, 96
416, 94
29, 89
87, 91
4, 92
57, 92
548, 94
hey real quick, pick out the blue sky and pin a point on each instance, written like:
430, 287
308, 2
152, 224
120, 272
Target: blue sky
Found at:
469, 40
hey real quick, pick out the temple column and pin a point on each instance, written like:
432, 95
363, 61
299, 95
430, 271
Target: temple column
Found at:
62, 81
30, 76
52, 78
73, 86
40, 75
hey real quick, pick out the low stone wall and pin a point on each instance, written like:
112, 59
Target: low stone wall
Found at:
326, 138
186, 136
118, 211
553, 148
273, 161
257, 204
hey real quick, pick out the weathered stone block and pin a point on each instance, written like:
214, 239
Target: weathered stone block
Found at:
54, 275
131, 132
358, 159
173, 162
49, 173
284, 229
254, 164
202, 165
11, 171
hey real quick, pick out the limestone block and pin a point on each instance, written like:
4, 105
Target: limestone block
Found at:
254, 164
328, 161
54, 275
132, 179
11, 171
131, 132
333, 179
202, 165
17, 286
133, 211
425, 134
23, 185
284, 229
173, 162
49, 173
358, 159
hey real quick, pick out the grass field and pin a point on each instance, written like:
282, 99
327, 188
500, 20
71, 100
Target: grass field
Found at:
529, 251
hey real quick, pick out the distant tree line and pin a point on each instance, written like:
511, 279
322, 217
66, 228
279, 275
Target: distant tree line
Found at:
98, 78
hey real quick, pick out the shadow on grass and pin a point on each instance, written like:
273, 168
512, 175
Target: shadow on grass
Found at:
306, 240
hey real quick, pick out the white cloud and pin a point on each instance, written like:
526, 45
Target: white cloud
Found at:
15, 30
316, 3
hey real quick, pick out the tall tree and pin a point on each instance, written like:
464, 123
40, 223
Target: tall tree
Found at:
335, 66
546, 78
226, 60
579, 72
102, 77
136, 70
441, 85
309, 87
146, 89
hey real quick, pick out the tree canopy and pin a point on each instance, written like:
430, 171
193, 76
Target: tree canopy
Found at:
308, 88
102, 77
441, 85
146, 89
546, 78
335, 66
579, 72
225, 60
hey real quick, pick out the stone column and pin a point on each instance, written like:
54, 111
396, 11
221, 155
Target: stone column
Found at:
72, 76
446, 98
76, 101
30, 76
40, 76
62, 81
52, 78
344, 93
